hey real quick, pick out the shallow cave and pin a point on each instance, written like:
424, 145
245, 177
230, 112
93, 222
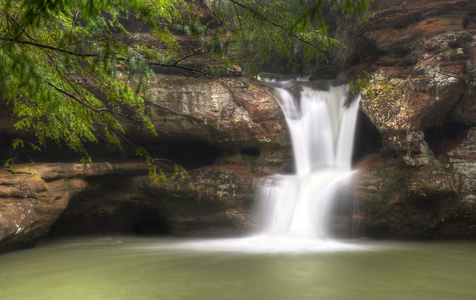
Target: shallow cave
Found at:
112, 205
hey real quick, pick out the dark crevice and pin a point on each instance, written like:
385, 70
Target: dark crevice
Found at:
192, 155
437, 137
368, 139
122, 219
250, 152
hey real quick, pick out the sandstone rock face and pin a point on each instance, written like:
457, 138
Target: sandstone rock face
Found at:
29, 205
421, 58
228, 111
398, 201
233, 115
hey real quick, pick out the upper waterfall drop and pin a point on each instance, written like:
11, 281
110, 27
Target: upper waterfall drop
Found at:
321, 118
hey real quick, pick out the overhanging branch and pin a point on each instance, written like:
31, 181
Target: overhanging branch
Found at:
76, 98
32, 43
327, 53
95, 54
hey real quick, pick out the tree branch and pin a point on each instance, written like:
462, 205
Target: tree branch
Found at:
155, 63
93, 54
327, 53
89, 106
32, 43
76, 98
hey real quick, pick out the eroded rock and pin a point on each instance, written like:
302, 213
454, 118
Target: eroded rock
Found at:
228, 111
29, 205
421, 58
69, 199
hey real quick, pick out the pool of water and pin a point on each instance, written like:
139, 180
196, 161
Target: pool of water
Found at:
163, 268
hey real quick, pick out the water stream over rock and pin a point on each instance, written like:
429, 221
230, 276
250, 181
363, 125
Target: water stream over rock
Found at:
321, 117
294, 209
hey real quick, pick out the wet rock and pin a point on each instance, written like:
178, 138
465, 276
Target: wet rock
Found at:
397, 201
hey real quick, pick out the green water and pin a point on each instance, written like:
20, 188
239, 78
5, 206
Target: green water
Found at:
153, 268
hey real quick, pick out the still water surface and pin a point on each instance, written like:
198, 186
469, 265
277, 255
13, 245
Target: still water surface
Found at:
160, 268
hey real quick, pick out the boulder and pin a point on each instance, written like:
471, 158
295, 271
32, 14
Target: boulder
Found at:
29, 205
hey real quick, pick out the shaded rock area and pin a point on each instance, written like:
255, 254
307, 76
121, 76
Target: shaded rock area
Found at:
228, 133
211, 197
398, 201
60, 199
422, 61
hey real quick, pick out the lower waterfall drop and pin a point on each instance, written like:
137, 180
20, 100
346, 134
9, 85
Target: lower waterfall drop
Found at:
321, 118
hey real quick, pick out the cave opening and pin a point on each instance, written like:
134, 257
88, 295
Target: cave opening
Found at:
112, 205
251, 152
440, 136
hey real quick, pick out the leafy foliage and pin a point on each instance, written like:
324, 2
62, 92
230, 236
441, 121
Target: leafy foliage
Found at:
51, 50
56, 56
264, 29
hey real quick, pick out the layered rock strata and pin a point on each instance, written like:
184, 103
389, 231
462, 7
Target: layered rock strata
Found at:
422, 61
104, 198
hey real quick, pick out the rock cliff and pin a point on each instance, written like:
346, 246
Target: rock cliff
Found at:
422, 61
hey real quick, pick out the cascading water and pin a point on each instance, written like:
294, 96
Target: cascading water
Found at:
321, 122
294, 209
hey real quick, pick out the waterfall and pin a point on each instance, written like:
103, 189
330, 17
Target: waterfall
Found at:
294, 209
321, 118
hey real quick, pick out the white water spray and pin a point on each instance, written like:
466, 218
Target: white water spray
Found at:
322, 126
